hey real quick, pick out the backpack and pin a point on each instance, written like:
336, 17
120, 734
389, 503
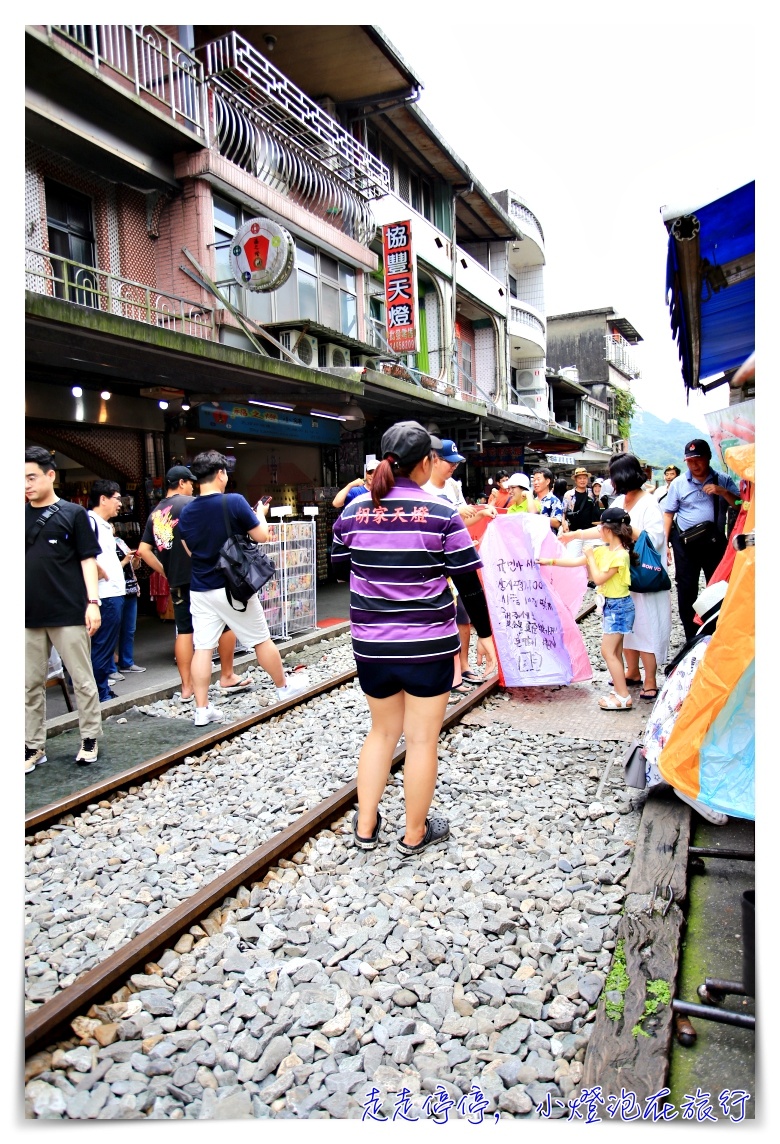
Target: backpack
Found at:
244, 565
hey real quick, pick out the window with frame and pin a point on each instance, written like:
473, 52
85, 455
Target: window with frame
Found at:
408, 184
320, 287
71, 236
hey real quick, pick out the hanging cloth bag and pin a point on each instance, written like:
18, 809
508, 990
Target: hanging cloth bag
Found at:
244, 565
648, 574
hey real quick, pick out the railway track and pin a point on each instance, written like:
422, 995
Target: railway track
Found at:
50, 1020
50, 1017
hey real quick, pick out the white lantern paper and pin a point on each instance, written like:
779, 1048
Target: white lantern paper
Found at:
262, 255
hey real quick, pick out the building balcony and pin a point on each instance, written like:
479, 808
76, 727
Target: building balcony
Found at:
524, 253
96, 289
270, 128
144, 61
527, 331
617, 351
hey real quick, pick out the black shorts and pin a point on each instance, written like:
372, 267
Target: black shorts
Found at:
381, 678
181, 610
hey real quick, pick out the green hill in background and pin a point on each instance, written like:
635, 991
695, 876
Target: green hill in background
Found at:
661, 443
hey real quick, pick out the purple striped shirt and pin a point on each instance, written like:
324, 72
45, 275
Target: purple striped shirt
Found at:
401, 552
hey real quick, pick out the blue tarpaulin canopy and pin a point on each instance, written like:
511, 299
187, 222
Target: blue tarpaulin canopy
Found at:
710, 284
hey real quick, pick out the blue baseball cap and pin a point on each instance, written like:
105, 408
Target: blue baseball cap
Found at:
448, 452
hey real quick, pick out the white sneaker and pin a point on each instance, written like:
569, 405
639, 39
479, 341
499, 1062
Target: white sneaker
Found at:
296, 683
134, 667
115, 676
205, 715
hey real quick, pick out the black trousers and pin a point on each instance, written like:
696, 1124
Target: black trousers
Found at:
690, 560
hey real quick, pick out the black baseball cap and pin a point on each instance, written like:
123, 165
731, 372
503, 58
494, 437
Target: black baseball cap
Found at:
178, 473
615, 515
697, 448
407, 442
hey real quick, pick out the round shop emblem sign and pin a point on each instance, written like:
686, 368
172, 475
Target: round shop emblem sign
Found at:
262, 255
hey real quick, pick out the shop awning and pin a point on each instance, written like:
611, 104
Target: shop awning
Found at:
710, 283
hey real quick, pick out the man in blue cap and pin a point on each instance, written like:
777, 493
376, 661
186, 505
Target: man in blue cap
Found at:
442, 484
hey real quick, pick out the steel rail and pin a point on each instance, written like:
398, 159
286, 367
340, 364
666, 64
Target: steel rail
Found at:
44, 1021
80, 798
92, 985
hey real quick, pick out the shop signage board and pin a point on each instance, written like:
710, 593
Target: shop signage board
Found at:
262, 255
253, 421
403, 328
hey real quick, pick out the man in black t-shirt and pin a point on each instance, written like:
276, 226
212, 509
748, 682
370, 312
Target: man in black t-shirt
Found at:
205, 525
161, 548
62, 608
580, 508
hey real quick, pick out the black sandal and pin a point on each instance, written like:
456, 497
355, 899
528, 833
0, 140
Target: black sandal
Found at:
367, 843
436, 830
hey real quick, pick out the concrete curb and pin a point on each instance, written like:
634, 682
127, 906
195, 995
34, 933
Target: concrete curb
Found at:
138, 698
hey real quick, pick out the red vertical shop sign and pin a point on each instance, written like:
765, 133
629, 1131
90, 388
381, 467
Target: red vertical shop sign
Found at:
400, 287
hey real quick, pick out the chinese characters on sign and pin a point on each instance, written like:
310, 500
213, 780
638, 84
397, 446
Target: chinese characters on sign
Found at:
586, 1107
262, 255
400, 287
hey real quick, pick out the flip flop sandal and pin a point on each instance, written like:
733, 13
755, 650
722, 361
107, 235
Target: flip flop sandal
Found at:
436, 830
651, 694
629, 682
245, 684
367, 843
615, 703
463, 688
471, 677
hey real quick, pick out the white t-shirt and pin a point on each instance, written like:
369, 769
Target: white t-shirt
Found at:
108, 559
452, 491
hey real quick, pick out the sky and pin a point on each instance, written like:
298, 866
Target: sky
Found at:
598, 123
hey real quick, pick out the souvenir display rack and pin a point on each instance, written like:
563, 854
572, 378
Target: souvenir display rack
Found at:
271, 594
289, 598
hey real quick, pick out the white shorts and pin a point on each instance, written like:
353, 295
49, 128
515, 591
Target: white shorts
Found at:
211, 614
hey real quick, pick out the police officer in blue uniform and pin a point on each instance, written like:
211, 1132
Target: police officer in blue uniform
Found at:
695, 524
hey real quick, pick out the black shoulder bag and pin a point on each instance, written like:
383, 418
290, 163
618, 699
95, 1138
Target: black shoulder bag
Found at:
705, 529
35, 531
244, 565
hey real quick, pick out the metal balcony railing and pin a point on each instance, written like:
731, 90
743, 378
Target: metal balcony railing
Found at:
156, 65
248, 80
47, 273
618, 351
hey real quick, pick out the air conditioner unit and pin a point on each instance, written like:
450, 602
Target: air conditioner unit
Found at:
525, 380
301, 346
612, 428
366, 361
470, 440
330, 355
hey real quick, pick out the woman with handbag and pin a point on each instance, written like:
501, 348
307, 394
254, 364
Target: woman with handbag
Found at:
649, 640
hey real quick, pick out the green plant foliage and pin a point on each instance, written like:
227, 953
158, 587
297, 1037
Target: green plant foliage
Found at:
658, 993
625, 404
617, 982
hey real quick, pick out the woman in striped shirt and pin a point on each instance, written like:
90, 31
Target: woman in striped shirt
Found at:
399, 548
